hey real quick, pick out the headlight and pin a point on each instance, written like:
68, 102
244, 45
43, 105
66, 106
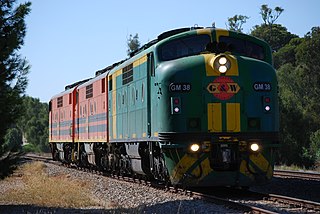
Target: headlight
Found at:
195, 147
223, 60
223, 69
222, 64
254, 147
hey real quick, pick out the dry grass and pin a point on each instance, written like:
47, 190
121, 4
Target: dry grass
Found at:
43, 190
291, 167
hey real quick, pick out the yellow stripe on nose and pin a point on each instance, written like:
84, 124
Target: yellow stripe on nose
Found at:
233, 117
221, 32
214, 117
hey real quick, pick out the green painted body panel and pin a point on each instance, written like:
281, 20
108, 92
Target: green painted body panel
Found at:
194, 103
131, 106
177, 72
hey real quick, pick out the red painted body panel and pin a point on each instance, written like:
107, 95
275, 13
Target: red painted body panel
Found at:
91, 113
61, 118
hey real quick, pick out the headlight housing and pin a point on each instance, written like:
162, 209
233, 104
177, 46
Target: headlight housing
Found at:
222, 64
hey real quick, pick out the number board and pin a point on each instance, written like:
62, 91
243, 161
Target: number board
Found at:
180, 87
262, 86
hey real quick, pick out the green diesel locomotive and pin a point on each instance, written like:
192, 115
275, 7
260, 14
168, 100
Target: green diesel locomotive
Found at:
195, 107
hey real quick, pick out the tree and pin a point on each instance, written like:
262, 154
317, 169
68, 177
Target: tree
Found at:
133, 44
275, 34
235, 23
268, 15
12, 140
314, 151
287, 54
308, 61
293, 124
34, 123
299, 86
13, 68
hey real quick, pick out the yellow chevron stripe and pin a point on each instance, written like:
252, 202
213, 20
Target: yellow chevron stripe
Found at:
214, 117
244, 170
233, 117
181, 168
184, 165
206, 169
262, 163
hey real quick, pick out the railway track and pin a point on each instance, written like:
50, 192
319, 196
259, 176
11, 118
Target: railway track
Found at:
297, 174
245, 201
294, 202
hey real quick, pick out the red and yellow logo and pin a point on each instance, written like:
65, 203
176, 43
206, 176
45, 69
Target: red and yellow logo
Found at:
223, 88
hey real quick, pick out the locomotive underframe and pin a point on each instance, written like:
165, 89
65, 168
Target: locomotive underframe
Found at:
143, 159
226, 156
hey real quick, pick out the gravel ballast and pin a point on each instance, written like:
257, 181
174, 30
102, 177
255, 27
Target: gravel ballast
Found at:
113, 196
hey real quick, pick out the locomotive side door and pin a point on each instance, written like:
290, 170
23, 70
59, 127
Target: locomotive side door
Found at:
125, 115
150, 74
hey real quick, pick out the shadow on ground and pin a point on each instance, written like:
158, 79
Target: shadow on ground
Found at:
182, 206
8, 163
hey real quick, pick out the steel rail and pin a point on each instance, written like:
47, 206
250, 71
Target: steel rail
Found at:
297, 174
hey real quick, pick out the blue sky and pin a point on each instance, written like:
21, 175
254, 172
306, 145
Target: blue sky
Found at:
68, 40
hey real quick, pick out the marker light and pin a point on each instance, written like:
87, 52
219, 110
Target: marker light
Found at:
175, 105
195, 147
254, 147
176, 101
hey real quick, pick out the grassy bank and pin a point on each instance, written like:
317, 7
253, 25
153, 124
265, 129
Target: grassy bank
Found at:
31, 184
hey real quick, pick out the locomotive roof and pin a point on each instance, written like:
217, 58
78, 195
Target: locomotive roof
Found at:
163, 36
90, 81
70, 88
63, 93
